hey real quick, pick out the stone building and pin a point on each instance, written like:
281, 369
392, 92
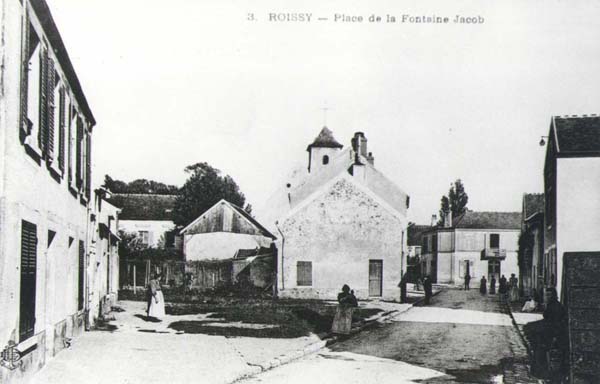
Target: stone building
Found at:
46, 202
221, 231
477, 243
532, 274
148, 216
338, 221
571, 185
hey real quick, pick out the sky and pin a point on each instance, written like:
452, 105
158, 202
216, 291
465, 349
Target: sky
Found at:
185, 81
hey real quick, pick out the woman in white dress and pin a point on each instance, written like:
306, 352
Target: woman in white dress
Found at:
157, 300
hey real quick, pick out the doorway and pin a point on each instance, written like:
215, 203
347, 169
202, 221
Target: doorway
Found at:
494, 269
375, 277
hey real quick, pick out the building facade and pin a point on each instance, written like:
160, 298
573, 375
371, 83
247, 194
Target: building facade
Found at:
532, 274
45, 190
477, 243
221, 231
571, 185
147, 216
338, 221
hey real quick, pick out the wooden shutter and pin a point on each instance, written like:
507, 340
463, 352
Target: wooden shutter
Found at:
61, 135
79, 153
51, 77
28, 280
24, 123
43, 128
81, 280
304, 273
70, 144
88, 165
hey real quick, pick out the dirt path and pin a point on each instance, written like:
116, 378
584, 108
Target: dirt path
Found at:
461, 333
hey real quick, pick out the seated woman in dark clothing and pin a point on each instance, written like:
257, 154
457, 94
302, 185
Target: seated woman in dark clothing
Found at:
342, 322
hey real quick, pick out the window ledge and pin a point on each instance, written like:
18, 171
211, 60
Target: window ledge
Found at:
53, 167
27, 344
30, 142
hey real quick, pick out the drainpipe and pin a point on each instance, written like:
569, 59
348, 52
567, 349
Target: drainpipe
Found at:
282, 247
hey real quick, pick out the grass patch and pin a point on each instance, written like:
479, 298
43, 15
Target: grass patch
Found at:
293, 318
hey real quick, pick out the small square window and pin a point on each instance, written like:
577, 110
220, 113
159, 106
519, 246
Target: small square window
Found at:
304, 273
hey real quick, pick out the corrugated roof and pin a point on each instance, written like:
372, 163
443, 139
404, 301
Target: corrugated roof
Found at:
532, 204
488, 220
139, 206
325, 139
578, 134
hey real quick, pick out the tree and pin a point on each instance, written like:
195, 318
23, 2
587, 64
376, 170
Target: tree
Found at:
139, 186
455, 202
203, 189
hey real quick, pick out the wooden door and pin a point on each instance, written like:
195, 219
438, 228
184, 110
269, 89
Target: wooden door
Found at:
28, 280
375, 277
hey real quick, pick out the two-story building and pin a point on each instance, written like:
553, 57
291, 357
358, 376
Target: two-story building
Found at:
572, 185
531, 247
475, 243
45, 190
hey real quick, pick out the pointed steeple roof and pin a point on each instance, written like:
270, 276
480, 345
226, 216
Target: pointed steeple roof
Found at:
325, 139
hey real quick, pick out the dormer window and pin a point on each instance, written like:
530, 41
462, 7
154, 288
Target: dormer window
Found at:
325, 160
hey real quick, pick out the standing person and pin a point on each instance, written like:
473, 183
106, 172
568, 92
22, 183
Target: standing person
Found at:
467, 281
428, 289
503, 289
556, 327
493, 285
483, 285
342, 322
513, 284
157, 300
402, 285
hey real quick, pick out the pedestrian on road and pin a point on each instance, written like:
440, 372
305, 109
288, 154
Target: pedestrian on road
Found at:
402, 285
503, 289
156, 308
428, 289
342, 322
467, 281
513, 284
493, 285
483, 285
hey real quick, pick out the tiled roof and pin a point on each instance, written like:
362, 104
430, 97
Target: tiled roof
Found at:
488, 220
415, 234
578, 134
532, 203
325, 139
138, 206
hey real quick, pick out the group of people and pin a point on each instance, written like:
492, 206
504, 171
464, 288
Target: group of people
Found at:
507, 289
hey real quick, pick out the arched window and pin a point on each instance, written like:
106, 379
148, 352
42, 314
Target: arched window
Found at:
325, 159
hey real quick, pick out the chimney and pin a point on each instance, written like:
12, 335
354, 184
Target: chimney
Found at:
433, 220
371, 159
448, 220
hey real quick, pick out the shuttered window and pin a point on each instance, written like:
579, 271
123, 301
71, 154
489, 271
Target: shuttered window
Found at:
28, 280
304, 273
80, 280
52, 117
43, 119
63, 122
88, 165
79, 154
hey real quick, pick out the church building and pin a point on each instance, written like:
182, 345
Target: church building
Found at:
339, 221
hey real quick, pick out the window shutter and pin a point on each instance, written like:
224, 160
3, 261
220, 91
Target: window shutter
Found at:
61, 135
79, 152
81, 281
43, 129
24, 123
51, 107
304, 273
88, 165
70, 144
28, 280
